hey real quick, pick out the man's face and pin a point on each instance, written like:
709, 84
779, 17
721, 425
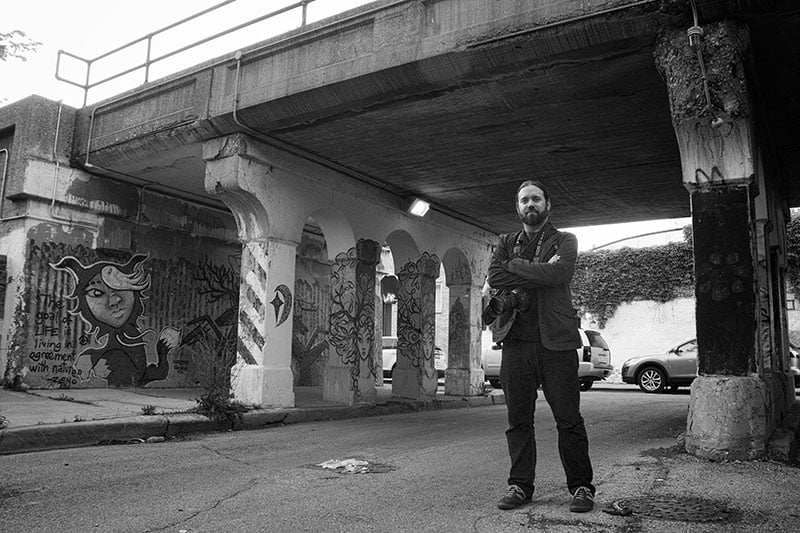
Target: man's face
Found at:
532, 208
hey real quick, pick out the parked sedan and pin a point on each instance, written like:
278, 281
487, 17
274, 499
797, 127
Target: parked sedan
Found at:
653, 373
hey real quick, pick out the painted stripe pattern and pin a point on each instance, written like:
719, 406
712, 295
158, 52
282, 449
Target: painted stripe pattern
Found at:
252, 302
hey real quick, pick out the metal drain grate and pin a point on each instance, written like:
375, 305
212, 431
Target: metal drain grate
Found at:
675, 508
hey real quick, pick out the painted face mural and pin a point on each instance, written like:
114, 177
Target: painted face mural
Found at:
108, 298
109, 305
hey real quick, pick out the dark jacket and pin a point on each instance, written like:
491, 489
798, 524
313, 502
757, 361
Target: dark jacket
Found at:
558, 320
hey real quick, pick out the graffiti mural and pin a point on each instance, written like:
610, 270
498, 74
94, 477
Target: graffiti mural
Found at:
416, 311
106, 318
108, 298
282, 303
213, 338
352, 318
459, 334
309, 334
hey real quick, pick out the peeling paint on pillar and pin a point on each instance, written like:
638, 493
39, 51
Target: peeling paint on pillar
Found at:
725, 285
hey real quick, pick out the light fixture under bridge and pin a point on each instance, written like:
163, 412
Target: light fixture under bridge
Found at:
417, 206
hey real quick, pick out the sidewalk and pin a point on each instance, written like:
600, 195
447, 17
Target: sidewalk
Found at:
62, 418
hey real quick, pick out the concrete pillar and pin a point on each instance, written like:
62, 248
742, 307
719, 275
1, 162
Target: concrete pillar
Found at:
351, 372
415, 374
262, 375
713, 120
464, 375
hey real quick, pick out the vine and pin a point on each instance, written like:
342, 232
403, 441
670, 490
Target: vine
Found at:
605, 279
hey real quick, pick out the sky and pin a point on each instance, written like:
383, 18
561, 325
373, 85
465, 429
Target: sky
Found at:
91, 28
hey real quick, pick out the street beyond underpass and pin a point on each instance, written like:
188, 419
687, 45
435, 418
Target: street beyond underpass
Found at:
426, 471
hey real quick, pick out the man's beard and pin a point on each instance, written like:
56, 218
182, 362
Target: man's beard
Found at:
533, 217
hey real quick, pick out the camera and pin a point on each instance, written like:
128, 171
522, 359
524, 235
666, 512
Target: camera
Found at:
504, 302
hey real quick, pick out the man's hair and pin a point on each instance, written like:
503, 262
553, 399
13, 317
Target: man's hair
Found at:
535, 183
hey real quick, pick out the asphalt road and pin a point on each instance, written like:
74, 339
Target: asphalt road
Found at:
428, 471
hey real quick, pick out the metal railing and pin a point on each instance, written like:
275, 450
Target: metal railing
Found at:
149, 60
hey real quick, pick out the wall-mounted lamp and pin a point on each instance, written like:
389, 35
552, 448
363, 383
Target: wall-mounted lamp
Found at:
418, 207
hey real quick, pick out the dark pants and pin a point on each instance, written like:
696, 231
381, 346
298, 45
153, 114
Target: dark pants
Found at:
525, 366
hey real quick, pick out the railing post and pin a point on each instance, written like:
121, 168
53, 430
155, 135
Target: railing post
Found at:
147, 60
86, 83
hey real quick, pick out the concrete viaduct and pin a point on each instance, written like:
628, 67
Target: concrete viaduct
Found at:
243, 204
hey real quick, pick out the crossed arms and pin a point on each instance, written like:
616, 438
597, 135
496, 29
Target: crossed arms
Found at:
506, 273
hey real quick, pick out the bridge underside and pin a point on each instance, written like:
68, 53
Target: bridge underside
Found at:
577, 103
333, 126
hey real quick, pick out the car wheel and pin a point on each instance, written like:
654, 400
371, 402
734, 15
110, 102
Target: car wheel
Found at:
652, 379
586, 384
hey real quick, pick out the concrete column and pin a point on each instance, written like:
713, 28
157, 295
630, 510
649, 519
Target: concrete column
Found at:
713, 121
464, 375
262, 374
351, 372
415, 374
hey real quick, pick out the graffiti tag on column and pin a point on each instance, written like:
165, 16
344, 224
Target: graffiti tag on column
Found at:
282, 303
108, 298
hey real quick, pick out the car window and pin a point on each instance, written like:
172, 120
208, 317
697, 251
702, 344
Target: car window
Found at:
595, 339
690, 346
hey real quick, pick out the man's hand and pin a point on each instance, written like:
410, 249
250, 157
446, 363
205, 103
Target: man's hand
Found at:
554, 259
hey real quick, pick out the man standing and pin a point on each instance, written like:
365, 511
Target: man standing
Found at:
532, 315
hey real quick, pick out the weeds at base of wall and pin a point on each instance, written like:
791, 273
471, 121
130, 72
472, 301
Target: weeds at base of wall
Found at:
218, 406
214, 359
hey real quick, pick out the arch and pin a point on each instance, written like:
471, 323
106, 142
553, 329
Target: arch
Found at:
336, 229
456, 267
404, 248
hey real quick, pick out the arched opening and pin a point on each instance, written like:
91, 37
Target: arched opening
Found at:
324, 235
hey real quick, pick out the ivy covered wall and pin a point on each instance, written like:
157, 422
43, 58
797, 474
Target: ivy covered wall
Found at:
604, 279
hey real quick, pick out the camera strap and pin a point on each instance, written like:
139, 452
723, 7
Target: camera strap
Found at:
519, 250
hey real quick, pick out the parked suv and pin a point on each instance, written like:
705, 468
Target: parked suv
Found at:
594, 358
678, 368
653, 373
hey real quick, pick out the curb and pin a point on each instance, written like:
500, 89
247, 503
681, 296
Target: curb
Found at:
156, 428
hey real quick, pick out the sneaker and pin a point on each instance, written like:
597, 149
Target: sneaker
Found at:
582, 500
513, 498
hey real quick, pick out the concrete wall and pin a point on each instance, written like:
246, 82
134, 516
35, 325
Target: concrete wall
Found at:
174, 309
646, 327
108, 282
